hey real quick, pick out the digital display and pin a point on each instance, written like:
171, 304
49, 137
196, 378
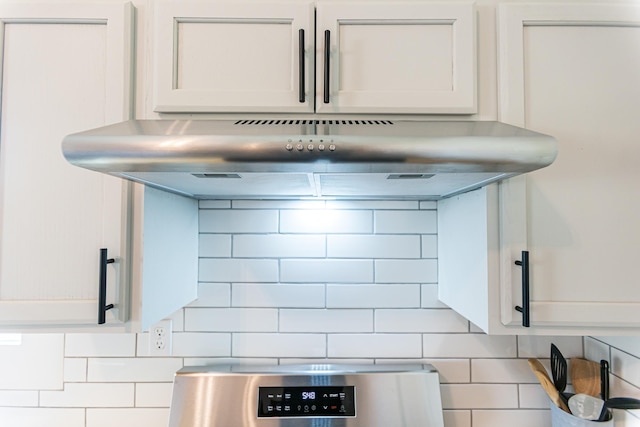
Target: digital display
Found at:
318, 401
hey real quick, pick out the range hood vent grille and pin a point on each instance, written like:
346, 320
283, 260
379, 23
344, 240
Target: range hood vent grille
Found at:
312, 122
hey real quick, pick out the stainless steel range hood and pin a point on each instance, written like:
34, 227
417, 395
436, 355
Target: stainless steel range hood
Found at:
291, 159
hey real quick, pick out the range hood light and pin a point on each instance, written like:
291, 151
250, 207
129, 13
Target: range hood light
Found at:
410, 176
216, 175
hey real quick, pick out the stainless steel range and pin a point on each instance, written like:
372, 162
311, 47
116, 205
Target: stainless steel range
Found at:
307, 396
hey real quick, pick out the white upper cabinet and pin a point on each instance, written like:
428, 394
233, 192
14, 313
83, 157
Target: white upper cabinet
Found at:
570, 71
233, 57
65, 68
359, 57
395, 57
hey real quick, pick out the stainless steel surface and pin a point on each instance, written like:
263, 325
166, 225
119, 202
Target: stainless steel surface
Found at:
311, 158
386, 396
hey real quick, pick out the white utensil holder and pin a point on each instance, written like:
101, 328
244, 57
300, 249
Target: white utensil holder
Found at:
560, 418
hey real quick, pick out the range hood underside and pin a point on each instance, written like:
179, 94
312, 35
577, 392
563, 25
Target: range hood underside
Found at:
315, 185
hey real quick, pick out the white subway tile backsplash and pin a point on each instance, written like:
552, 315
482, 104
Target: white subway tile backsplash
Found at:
403, 222
625, 366
214, 204
596, 350
501, 371
326, 221
452, 370
100, 345
533, 396
35, 364
373, 246
279, 246
80, 395
457, 418
419, 320
429, 246
479, 396
627, 344
214, 245
278, 345
75, 370
519, 418
36, 417
238, 270
139, 369
213, 295
449, 370
329, 320
373, 204
540, 346
428, 204
278, 204
429, 296
373, 296
469, 345
238, 221
278, 295
153, 395
620, 387
375, 345
326, 270
205, 344
127, 417
406, 271
18, 398
231, 319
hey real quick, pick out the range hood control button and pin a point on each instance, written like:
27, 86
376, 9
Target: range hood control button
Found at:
310, 147
299, 147
321, 147
332, 147
289, 147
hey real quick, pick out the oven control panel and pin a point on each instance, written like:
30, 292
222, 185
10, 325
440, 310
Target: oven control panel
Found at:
312, 401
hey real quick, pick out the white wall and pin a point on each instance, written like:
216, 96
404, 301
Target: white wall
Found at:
293, 282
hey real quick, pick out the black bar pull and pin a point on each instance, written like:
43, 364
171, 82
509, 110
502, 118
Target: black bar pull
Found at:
102, 291
327, 66
301, 70
525, 309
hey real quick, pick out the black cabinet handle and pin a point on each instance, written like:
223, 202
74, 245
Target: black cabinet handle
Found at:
102, 291
301, 70
525, 309
327, 67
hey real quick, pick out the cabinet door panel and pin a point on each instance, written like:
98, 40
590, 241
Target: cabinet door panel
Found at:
228, 57
576, 80
58, 78
400, 57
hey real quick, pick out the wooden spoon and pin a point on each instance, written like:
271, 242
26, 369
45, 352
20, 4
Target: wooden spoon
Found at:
585, 376
547, 384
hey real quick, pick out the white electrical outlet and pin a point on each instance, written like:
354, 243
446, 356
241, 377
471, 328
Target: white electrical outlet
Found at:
160, 339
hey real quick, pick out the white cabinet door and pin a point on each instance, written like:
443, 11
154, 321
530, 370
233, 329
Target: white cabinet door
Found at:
572, 71
395, 57
65, 68
233, 57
